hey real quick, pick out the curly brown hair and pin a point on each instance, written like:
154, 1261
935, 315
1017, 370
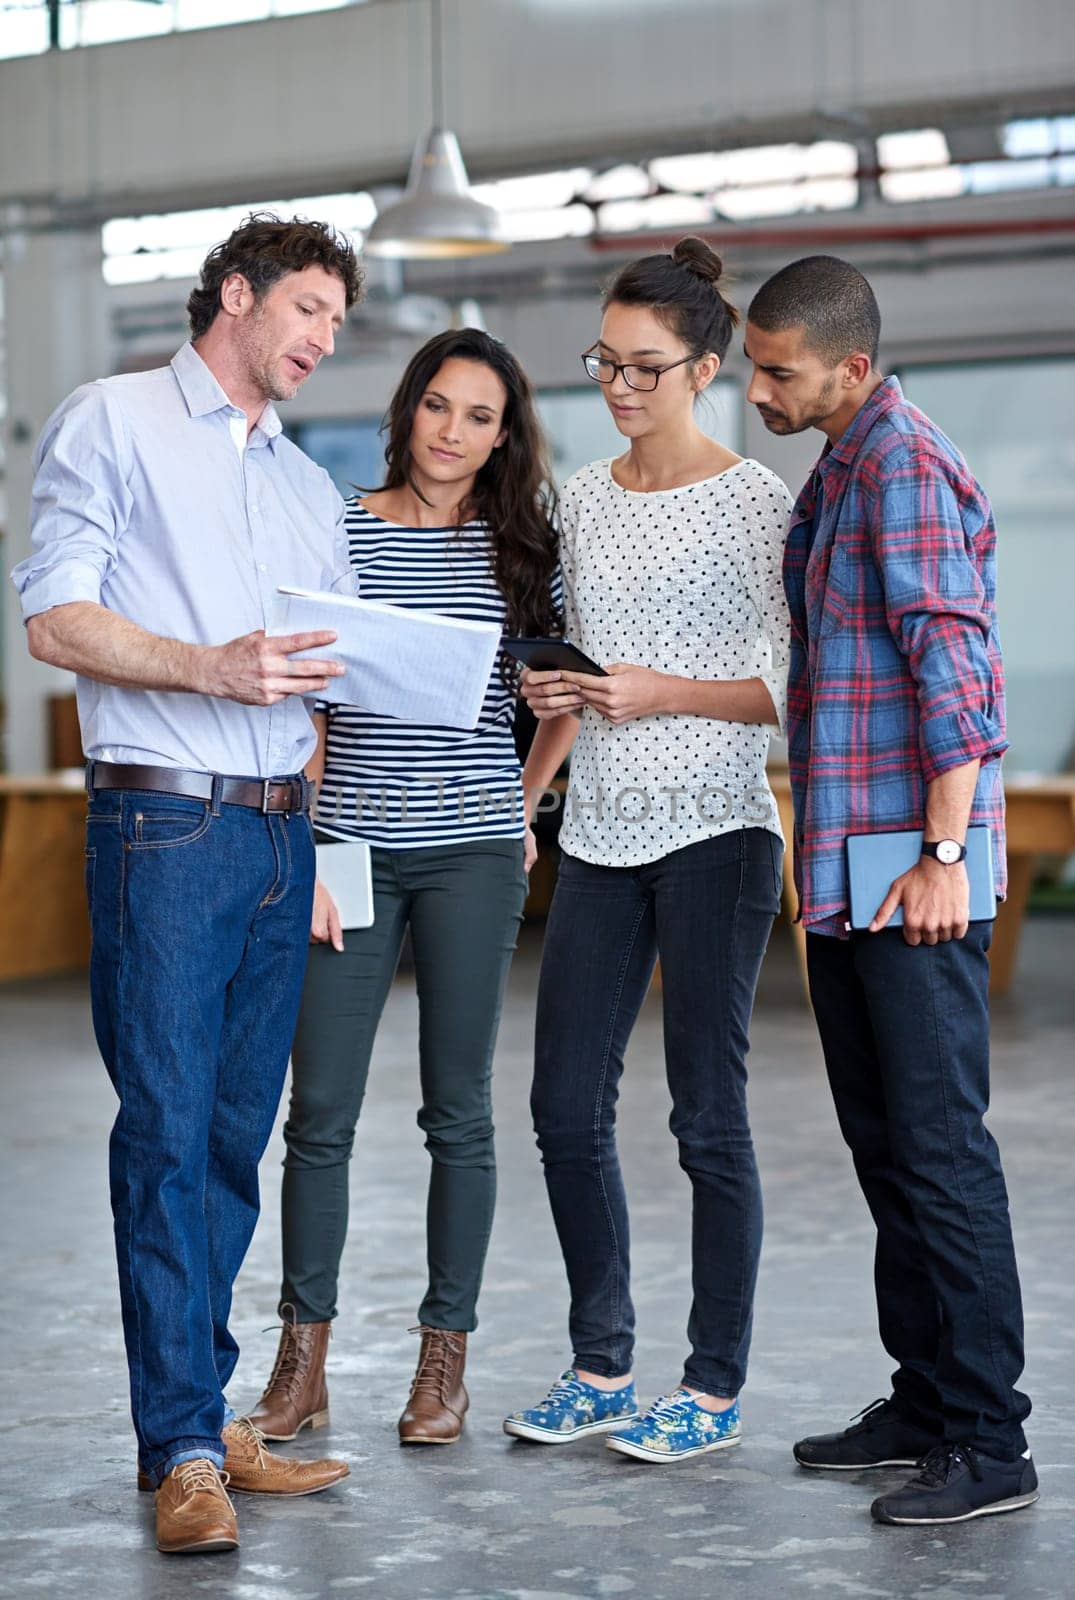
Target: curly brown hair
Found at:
264, 249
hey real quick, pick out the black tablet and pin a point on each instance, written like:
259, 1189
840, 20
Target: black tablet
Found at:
551, 655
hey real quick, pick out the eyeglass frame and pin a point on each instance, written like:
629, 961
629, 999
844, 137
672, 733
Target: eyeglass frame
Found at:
622, 366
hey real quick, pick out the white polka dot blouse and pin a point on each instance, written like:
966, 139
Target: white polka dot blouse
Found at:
686, 581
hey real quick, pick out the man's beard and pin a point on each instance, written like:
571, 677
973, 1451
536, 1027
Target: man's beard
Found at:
260, 367
820, 410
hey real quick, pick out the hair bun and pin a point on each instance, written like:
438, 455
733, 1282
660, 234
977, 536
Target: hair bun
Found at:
697, 257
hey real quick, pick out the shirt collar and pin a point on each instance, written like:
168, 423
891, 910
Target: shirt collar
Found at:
887, 395
203, 394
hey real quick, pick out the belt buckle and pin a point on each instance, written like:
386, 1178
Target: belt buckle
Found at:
265, 787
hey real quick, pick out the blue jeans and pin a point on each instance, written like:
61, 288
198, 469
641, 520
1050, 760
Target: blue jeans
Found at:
200, 925
707, 910
905, 1032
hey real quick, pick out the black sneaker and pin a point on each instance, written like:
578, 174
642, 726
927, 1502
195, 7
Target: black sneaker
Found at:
956, 1483
883, 1438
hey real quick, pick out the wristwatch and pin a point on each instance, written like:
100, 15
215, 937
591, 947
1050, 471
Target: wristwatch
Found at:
947, 851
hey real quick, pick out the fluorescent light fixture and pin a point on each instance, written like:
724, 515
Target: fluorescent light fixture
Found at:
921, 147
556, 222
930, 183
536, 191
619, 183
656, 211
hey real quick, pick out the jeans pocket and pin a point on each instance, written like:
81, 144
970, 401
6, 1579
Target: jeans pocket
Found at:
91, 873
163, 827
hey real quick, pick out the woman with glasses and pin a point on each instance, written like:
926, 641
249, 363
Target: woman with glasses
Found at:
671, 560
461, 527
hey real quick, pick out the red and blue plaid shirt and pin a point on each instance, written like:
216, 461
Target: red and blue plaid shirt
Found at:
896, 674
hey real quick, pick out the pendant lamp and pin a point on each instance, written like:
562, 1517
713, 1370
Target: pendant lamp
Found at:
437, 216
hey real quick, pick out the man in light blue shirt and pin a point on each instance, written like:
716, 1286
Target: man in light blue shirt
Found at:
167, 508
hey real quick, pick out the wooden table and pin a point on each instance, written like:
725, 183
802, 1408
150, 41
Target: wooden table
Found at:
1041, 820
44, 927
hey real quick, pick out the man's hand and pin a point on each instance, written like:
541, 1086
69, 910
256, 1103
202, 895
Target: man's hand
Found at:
325, 923
549, 694
259, 669
627, 693
935, 900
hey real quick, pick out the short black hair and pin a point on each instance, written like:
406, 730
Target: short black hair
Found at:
828, 299
264, 249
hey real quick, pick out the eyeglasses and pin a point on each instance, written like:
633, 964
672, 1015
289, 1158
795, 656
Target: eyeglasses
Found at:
602, 370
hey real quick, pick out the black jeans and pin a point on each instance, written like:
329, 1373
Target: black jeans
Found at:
905, 1031
707, 910
463, 904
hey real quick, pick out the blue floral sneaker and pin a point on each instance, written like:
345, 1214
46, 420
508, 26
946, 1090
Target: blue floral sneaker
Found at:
571, 1409
677, 1427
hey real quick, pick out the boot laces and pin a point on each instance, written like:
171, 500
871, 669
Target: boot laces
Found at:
252, 1436
943, 1461
194, 1477
292, 1357
440, 1350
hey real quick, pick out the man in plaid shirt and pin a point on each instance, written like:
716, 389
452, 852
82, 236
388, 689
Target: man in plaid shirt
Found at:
896, 721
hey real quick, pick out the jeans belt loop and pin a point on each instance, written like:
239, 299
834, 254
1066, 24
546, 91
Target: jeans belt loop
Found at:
215, 793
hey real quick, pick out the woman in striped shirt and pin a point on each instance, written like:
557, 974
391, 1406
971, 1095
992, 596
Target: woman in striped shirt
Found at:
461, 527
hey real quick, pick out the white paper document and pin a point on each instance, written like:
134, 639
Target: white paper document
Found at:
415, 665
344, 868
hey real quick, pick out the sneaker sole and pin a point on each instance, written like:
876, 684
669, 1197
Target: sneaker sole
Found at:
1015, 1504
525, 1430
857, 1466
626, 1447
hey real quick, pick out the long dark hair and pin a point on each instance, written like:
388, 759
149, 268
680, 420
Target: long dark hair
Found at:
513, 494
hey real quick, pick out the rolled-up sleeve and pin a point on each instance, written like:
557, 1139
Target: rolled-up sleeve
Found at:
939, 614
81, 503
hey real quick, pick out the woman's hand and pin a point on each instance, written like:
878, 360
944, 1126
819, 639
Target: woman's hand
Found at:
627, 693
325, 923
549, 694
530, 849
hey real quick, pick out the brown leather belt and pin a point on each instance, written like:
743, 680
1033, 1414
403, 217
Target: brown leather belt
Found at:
262, 794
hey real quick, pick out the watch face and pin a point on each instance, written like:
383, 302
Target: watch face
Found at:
948, 852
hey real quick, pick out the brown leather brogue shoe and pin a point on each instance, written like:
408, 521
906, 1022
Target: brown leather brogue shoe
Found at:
251, 1469
296, 1395
194, 1514
438, 1401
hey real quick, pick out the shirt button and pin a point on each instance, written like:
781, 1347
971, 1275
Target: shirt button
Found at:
262, 567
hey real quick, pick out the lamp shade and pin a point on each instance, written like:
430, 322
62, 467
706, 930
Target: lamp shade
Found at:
437, 215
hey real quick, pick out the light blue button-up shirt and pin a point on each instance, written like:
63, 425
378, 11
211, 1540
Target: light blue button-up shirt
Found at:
150, 500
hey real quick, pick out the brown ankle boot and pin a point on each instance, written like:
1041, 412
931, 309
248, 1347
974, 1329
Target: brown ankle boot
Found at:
438, 1400
296, 1396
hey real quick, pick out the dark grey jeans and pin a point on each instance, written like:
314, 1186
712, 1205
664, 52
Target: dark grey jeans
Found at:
463, 904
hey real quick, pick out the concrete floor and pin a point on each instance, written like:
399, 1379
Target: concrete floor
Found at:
493, 1519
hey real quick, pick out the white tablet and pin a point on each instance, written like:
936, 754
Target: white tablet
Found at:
343, 865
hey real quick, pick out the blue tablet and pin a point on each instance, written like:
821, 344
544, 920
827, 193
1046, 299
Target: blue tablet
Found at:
875, 860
